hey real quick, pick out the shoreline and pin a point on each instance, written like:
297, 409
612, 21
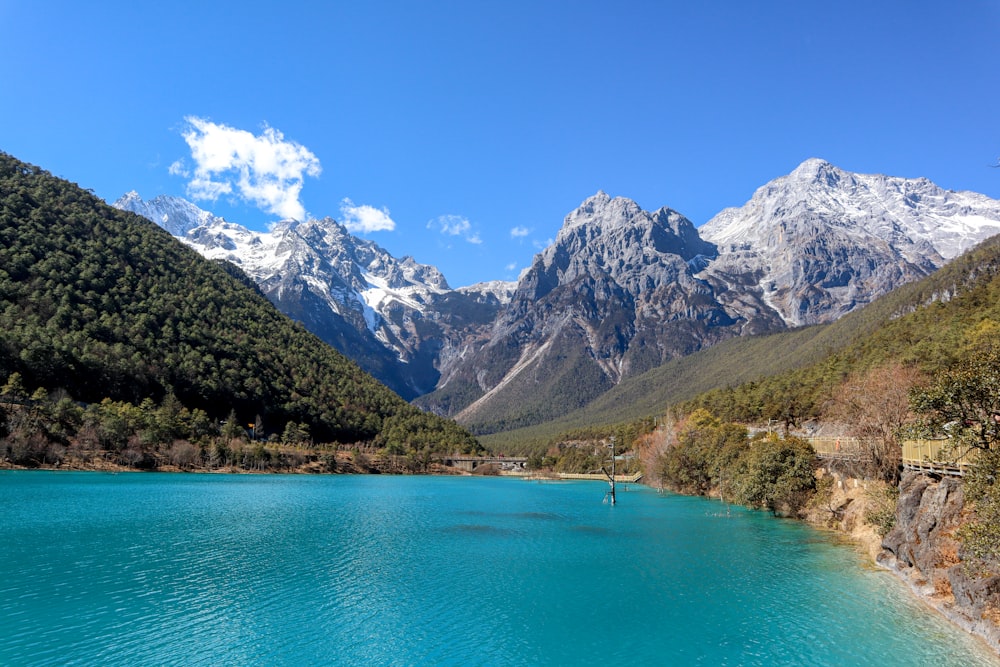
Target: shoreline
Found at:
345, 464
851, 498
983, 630
841, 516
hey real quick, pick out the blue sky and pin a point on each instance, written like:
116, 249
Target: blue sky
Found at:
462, 133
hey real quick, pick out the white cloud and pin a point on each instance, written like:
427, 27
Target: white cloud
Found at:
365, 218
178, 169
519, 232
510, 267
542, 245
455, 225
206, 188
452, 225
265, 170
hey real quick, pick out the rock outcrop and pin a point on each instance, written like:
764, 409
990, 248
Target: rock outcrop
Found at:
922, 549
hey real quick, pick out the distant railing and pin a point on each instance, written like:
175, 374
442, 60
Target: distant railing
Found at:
837, 448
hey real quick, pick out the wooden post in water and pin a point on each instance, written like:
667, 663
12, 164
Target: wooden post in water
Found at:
611, 477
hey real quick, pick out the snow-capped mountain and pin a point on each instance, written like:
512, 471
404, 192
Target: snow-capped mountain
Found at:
620, 290
501, 290
177, 216
904, 211
388, 314
821, 241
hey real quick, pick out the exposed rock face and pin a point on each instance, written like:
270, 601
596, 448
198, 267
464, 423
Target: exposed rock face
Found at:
922, 550
845, 509
927, 514
615, 295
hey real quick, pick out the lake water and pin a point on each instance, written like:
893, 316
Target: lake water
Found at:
173, 569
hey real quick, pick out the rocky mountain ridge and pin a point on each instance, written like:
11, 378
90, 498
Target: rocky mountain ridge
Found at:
389, 314
623, 290
815, 244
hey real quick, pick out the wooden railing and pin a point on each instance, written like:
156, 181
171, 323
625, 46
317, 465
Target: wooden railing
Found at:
930, 455
628, 479
937, 456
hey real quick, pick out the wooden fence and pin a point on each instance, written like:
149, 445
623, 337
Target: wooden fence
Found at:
627, 479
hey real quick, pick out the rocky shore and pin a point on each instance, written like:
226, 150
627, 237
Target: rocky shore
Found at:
922, 550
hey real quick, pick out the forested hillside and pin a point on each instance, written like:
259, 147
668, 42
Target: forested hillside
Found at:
102, 303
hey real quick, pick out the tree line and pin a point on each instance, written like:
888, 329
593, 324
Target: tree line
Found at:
39, 429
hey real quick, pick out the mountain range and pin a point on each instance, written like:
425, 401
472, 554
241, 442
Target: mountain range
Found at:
392, 316
620, 291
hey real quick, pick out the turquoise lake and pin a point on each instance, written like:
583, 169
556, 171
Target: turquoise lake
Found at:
175, 569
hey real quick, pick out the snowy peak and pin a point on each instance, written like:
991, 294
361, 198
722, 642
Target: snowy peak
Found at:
322, 249
603, 212
128, 200
820, 241
383, 312
815, 169
178, 216
616, 236
500, 290
902, 211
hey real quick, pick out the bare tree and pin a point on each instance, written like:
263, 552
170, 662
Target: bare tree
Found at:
876, 405
651, 446
183, 454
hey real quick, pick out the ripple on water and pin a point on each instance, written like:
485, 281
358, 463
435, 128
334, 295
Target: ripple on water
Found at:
156, 569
